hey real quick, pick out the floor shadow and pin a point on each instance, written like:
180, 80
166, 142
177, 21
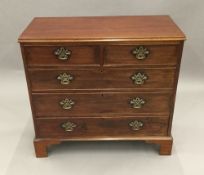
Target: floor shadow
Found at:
81, 158
102, 146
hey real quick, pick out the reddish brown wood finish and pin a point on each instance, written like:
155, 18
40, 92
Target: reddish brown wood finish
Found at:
165, 145
101, 104
101, 28
159, 55
102, 64
98, 79
180, 51
104, 127
44, 56
41, 146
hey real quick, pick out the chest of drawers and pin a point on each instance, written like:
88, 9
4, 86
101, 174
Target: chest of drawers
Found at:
102, 78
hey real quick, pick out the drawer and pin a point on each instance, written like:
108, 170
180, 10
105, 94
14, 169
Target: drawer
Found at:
61, 56
43, 80
141, 55
100, 104
83, 128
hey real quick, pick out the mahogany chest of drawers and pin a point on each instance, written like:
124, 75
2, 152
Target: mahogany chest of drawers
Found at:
102, 78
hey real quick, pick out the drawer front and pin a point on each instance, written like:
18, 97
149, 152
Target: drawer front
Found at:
101, 127
61, 56
98, 104
43, 80
141, 55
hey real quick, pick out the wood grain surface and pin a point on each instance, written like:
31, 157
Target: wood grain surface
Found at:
109, 127
101, 28
158, 55
43, 80
101, 104
44, 56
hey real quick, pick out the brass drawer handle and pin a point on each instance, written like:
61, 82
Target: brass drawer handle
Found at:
136, 125
68, 126
63, 53
67, 103
140, 52
139, 78
137, 102
65, 78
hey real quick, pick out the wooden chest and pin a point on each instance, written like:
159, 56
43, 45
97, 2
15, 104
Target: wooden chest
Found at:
102, 78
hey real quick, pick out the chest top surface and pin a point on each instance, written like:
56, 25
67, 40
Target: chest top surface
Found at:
109, 28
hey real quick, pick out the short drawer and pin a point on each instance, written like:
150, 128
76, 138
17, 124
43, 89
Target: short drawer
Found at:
141, 55
84, 128
100, 104
61, 56
107, 79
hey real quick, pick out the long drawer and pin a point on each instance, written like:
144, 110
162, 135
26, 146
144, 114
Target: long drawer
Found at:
100, 104
141, 55
101, 127
96, 79
61, 56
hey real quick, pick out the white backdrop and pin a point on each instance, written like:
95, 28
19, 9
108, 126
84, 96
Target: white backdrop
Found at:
16, 142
